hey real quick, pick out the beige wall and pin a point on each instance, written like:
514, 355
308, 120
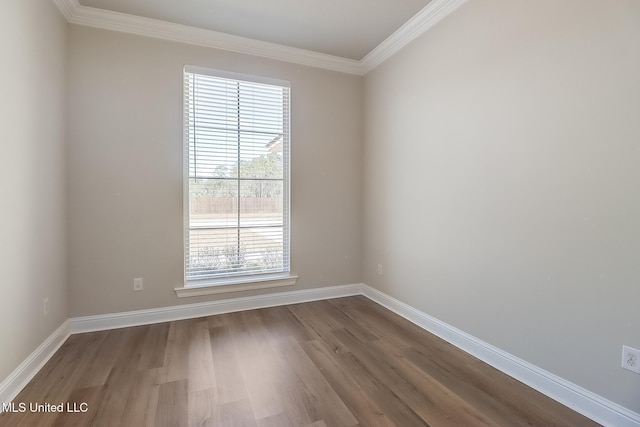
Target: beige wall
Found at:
32, 184
502, 182
125, 169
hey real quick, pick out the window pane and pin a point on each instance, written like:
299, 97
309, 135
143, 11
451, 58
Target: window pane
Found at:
262, 248
261, 108
213, 153
262, 203
257, 161
213, 203
215, 252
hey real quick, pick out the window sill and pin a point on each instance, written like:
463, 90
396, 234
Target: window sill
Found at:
236, 284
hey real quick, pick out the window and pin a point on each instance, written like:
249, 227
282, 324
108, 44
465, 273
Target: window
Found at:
236, 132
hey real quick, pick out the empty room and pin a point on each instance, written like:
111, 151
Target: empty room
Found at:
320, 213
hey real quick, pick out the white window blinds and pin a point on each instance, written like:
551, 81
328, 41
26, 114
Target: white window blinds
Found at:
236, 175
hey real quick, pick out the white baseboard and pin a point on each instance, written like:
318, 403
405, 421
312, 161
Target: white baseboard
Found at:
571, 395
190, 311
15, 382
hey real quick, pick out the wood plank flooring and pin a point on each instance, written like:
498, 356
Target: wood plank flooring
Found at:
341, 362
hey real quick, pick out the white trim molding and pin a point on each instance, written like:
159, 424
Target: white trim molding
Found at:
435, 11
210, 308
20, 377
236, 284
429, 16
75, 13
571, 395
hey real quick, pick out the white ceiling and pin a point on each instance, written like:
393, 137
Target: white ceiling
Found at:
345, 28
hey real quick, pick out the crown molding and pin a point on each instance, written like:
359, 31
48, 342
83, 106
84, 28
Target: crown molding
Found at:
429, 16
75, 13
435, 11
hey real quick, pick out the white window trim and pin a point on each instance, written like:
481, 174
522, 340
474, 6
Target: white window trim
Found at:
236, 284
241, 282
235, 76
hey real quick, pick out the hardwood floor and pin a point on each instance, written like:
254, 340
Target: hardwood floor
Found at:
342, 362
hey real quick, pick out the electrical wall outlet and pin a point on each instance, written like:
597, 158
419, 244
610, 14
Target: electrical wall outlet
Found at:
380, 269
631, 359
45, 306
138, 284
